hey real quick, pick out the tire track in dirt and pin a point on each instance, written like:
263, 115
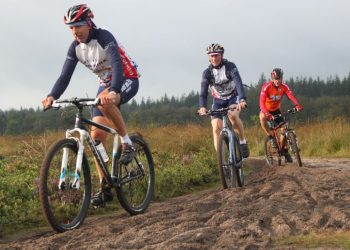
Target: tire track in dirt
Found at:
277, 201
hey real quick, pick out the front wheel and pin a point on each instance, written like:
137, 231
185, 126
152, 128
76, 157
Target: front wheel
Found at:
136, 187
231, 176
239, 161
65, 204
224, 162
272, 156
293, 145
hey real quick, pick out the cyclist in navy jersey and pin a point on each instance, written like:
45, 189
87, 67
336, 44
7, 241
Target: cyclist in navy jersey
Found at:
225, 83
99, 51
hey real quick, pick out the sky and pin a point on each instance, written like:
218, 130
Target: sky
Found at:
167, 39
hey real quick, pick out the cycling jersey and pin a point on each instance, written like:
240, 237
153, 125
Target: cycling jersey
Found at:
224, 82
103, 56
271, 96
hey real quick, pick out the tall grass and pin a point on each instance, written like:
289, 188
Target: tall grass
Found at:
326, 139
316, 139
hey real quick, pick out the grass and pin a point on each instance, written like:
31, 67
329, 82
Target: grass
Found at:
317, 240
184, 159
316, 139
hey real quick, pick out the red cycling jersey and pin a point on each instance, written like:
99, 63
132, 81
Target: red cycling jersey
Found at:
271, 96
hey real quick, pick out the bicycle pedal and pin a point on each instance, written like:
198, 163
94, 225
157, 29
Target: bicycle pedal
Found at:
102, 205
98, 206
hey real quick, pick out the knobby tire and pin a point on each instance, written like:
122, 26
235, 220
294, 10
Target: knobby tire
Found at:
294, 148
64, 209
136, 195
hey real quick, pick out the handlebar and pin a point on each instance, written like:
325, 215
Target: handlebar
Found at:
289, 111
218, 111
78, 102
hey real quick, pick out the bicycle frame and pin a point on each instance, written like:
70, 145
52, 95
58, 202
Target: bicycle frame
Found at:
226, 128
285, 126
84, 135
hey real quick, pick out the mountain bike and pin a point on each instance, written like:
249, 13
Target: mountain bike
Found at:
275, 150
229, 155
65, 179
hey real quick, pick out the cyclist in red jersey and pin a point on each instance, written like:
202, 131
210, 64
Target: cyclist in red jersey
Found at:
270, 103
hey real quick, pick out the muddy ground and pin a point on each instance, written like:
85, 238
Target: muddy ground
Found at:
277, 201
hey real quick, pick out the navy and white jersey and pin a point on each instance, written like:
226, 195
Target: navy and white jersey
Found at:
224, 82
103, 56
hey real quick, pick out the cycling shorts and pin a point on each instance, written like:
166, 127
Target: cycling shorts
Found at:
277, 120
219, 103
128, 91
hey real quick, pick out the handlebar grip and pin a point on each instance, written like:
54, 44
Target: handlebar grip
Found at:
47, 108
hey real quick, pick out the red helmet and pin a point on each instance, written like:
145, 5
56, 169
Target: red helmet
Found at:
78, 14
277, 74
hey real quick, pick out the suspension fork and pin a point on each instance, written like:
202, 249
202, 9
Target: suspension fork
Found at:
75, 184
115, 168
288, 131
226, 130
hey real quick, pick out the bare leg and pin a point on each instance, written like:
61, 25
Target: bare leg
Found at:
263, 123
237, 123
102, 136
282, 137
217, 125
112, 112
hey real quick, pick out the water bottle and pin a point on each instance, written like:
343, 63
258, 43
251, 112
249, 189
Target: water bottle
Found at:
101, 150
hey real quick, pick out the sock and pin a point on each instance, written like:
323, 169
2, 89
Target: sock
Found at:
126, 139
244, 141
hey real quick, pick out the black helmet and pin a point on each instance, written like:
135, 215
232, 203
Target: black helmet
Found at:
78, 14
277, 74
215, 48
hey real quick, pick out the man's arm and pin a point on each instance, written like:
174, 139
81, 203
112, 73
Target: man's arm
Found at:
66, 74
203, 95
110, 45
238, 81
262, 101
291, 97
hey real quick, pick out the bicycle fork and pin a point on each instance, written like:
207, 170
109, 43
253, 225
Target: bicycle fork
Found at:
75, 184
225, 129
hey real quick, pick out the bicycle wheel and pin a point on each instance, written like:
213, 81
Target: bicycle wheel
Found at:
239, 165
271, 153
65, 208
227, 176
294, 148
137, 178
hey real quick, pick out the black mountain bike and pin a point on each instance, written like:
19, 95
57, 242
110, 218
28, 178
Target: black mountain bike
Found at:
65, 180
230, 160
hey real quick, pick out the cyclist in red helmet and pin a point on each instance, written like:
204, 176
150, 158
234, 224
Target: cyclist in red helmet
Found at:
99, 51
223, 79
270, 102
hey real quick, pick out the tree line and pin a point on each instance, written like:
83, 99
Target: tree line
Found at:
321, 99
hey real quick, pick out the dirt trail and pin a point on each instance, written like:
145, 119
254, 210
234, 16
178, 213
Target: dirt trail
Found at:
277, 201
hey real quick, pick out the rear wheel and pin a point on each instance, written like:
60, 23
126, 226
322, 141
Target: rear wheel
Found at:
137, 178
227, 176
294, 148
64, 204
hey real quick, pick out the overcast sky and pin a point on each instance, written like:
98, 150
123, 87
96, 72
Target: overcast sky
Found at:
168, 39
